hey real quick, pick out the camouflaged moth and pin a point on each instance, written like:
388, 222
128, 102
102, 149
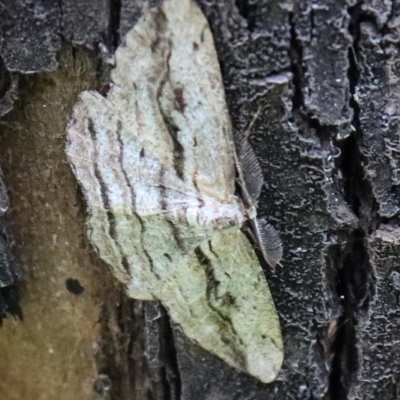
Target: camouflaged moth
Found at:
158, 166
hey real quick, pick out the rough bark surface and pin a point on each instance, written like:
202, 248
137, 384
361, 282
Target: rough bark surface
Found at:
318, 84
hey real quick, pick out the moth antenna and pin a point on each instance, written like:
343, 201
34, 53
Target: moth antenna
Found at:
249, 168
269, 241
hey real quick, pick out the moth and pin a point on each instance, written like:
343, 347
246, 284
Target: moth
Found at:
158, 167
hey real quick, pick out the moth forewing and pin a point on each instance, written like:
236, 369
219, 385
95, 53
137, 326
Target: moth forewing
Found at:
156, 163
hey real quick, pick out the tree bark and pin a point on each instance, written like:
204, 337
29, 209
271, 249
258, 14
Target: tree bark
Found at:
315, 83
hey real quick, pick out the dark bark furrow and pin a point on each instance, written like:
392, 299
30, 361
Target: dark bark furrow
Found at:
355, 275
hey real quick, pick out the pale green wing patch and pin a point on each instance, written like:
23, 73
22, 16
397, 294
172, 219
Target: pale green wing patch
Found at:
222, 301
142, 251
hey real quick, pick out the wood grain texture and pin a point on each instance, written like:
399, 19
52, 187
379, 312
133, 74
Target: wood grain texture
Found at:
51, 353
157, 165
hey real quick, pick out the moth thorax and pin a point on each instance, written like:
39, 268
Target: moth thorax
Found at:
216, 215
251, 212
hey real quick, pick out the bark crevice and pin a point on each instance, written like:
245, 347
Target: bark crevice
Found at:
114, 24
350, 275
296, 57
355, 280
